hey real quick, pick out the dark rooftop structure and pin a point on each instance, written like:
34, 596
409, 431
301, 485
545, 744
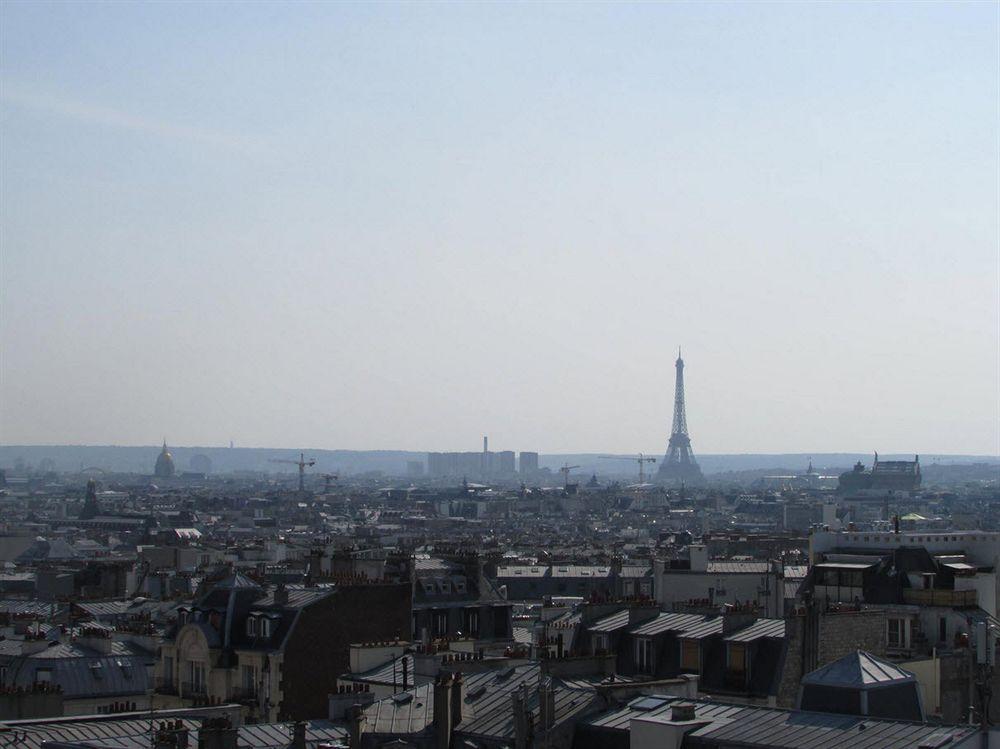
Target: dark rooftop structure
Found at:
862, 684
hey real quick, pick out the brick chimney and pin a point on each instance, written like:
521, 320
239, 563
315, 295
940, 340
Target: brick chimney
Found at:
217, 733
171, 735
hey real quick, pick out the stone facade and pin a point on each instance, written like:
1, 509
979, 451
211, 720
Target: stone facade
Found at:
814, 639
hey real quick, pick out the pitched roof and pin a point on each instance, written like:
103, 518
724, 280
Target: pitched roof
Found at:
759, 629
615, 621
858, 670
703, 629
667, 623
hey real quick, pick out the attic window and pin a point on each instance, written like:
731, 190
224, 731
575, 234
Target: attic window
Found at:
429, 588
43, 675
265, 627
252, 626
460, 586
126, 668
97, 669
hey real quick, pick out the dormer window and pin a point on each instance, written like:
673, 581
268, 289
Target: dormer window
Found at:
182, 617
265, 627
252, 626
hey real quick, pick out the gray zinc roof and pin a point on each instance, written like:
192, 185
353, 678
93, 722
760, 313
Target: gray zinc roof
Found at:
706, 628
611, 623
759, 629
858, 670
760, 727
667, 623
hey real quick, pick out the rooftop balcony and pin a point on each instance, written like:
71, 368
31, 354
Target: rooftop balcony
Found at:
944, 597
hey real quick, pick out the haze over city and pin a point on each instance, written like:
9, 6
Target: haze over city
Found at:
408, 225
487, 375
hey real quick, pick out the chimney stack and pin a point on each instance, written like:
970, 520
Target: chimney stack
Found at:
442, 710
298, 735
281, 595
217, 733
357, 726
522, 720
546, 704
682, 711
457, 699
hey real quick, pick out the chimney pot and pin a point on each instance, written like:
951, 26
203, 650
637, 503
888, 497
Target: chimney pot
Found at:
682, 711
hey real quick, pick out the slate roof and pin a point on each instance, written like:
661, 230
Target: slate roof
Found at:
494, 719
412, 711
758, 630
134, 734
42, 550
757, 568
706, 628
667, 623
760, 727
81, 671
567, 570
858, 670
612, 623
298, 597
636, 571
428, 564
390, 673
40, 608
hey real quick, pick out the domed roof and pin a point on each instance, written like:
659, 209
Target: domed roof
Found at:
164, 463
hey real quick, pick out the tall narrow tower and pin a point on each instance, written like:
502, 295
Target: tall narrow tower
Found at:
678, 464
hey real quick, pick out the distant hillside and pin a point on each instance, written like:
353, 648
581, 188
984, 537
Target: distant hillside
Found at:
352, 462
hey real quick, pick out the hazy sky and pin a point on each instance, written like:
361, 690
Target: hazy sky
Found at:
408, 225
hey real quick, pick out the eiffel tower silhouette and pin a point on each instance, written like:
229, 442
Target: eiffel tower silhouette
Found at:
679, 465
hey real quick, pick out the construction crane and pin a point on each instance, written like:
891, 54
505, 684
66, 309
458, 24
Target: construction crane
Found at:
565, 472
640, 459
301, 463
327, 478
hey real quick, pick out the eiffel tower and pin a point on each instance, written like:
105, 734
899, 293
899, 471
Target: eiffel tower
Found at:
679, 465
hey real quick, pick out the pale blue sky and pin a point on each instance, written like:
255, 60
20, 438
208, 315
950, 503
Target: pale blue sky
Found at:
407, 225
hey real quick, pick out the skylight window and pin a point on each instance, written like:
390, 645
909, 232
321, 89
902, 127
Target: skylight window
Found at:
648, 703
